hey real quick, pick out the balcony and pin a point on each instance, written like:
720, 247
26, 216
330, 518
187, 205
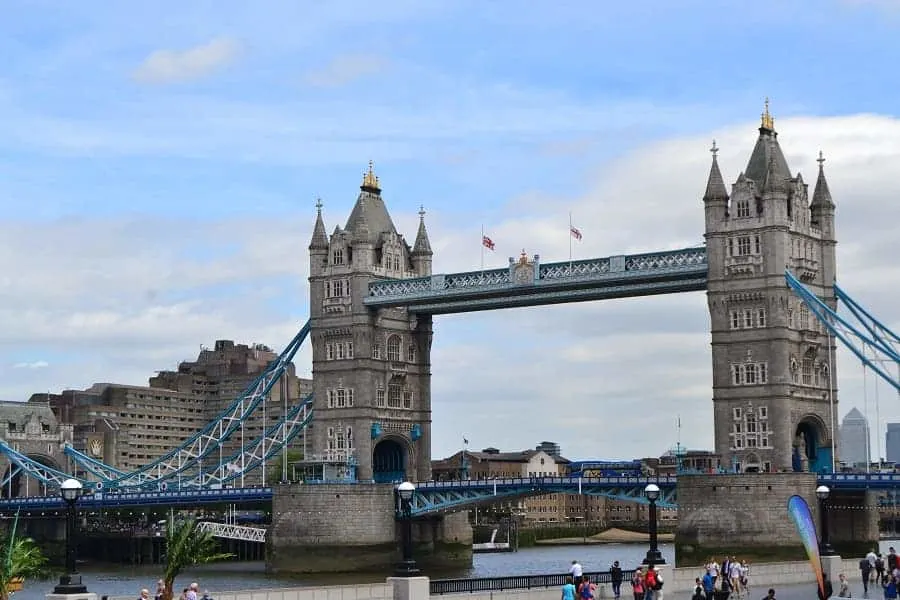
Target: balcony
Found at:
744, 266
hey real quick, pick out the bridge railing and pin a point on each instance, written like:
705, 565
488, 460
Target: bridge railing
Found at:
514, 582
517, 481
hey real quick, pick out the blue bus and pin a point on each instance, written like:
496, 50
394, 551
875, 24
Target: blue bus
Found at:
606, 468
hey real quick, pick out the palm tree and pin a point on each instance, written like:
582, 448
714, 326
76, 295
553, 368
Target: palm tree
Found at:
187, 545
22, 559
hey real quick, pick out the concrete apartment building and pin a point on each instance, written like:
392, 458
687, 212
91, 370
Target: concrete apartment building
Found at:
130, 426
221, 374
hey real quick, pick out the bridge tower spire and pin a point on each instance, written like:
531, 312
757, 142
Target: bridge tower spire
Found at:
774, 384
371, 368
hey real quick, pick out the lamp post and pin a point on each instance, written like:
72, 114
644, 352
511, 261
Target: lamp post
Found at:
70, 581
822, 493
407, 567
654, 557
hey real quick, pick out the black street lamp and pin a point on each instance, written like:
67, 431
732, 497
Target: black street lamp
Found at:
822, 493
654, 556
407, 567
70, 581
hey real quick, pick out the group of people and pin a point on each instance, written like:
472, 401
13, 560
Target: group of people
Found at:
646, 583
879, 570
192, 592
719, 581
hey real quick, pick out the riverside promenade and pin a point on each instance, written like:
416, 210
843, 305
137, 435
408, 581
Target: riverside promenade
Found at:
791, 580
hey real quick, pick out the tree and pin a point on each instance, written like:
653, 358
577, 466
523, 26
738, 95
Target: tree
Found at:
275, 470
187, 545
22, 559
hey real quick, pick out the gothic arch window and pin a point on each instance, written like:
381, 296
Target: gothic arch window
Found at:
393, 348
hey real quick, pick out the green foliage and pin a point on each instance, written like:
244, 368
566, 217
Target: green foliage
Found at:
22, 559
275, 469
187, 545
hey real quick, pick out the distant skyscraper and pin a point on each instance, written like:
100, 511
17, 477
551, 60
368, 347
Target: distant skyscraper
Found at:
854, 439
892, 442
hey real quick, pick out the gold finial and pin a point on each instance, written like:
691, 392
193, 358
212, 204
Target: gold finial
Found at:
319, 204
523, 260
821, 160
422, 212
767, 121
714, 149
370, 180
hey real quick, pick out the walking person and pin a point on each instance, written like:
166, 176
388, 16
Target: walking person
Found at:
637, 584
568, 590
615, 577
865, 571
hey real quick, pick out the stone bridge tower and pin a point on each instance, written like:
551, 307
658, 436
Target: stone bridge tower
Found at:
774, 384
31, 428
371, 368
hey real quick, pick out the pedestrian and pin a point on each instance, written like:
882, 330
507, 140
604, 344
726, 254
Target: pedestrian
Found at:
637, 584
576, 572
843, 586
615, 577
865, 571
568, 590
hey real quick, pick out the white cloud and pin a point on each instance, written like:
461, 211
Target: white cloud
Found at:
38, 364
170, 66
603, 379
345, 69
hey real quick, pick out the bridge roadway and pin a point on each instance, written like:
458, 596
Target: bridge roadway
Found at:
436, 496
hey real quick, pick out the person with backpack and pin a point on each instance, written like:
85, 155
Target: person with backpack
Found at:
637, 584
586, 589
865, 570
615, 577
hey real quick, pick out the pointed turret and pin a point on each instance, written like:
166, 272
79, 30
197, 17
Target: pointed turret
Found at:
715, 200
369, 212
319, 239
715, 185
767, 160
821, 195
421, 252
422, 245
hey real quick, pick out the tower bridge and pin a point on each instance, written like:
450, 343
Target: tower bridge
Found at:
768, 267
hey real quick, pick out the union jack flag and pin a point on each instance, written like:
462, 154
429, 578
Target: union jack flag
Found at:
487, 242
576, 233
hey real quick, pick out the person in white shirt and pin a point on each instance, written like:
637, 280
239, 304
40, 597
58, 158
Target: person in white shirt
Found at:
576, 572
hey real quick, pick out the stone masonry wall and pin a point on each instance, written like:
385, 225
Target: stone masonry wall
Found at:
346, 528
744, 514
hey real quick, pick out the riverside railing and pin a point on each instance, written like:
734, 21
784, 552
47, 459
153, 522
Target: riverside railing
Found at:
515, 582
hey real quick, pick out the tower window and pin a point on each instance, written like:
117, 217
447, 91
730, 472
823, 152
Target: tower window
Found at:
757, 245
411, 353
379, 397
743, 246
804, 318
337, 257
376, 351
394, 396
393, 348
743, 209
407, 399
749, 373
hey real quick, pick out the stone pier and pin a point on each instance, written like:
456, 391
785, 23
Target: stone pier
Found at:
746, 514
322, 528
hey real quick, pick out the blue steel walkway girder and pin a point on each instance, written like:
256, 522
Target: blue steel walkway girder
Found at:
435, 497
183, 498
533, 284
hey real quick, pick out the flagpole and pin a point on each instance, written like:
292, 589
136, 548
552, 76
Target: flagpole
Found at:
482, 250
570, 241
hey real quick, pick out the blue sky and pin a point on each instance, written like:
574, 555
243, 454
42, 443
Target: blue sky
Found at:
159, 167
